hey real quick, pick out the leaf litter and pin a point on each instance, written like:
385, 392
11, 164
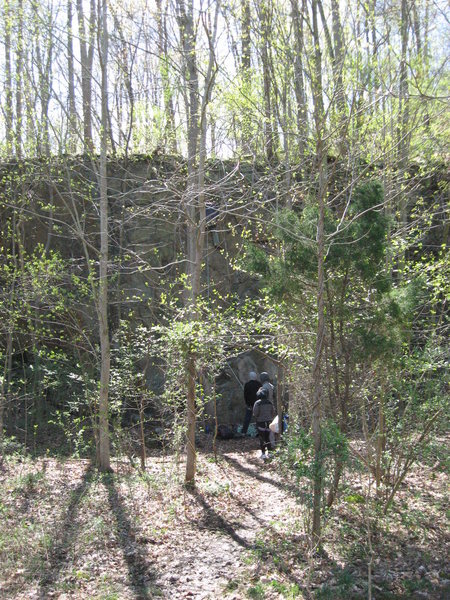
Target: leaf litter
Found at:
68, 532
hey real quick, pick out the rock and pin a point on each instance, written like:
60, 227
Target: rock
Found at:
421, 571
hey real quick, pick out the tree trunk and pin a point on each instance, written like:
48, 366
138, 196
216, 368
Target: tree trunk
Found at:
245, 70
170, 140
403, 125
338, 68
104, 451
268, 130
87, 57
44, 63
317, 384
72, 120
280, 389
191, 423
195, 194
19, 82
185, 18
321, 199
142, 432
125, 66
300, 95
8, 82
6, 379
380, 445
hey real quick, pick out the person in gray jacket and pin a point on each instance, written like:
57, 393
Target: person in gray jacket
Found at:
264, 412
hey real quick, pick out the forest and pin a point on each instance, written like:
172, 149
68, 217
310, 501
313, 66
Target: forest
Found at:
195, 194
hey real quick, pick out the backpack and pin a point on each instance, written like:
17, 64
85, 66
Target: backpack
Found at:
225, 432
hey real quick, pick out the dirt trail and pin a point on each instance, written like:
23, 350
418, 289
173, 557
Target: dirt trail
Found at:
215, 548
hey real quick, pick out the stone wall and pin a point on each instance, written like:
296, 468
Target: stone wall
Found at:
148, 241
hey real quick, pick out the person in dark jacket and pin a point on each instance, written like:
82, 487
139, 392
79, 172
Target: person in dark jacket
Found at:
264, 412
250, 389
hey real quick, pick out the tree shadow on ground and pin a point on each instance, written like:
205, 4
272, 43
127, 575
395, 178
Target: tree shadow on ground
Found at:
286, 487
215, 522
67, 532
139, 573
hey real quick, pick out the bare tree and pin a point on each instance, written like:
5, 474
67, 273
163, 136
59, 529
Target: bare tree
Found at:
86, 35
266, 22
322, 176
8, 79
170, 139
300, 93
19, 79
245, 70
194, 198
104, 453
72, 110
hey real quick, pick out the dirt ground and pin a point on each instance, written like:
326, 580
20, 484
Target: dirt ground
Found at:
68, 532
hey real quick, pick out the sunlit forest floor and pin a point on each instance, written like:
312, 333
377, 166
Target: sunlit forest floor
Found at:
68, 532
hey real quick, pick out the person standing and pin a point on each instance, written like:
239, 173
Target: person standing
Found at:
250, 389
264, 412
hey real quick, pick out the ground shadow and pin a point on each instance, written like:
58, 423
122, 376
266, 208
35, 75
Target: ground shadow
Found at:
286, 487
66, 532
139, 572
215, 522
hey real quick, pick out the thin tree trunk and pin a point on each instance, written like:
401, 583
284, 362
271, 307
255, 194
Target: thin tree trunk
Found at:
170, 132
191, 455
87, 57
245, 36
280, 387
300, 94
33, 135
6, 379
268, 131
19, 81
338, 68
45, 66
403, 125
317, 384
321, 199
8, 82
72, 120
195, 195
245, 70
104, 450
380, 445
142, 432
185, 18
5, 392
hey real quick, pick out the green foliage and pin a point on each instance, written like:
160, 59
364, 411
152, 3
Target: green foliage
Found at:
362, 241
418, 392
287, 591
256, 591
298, 459
257, 260
345, 580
